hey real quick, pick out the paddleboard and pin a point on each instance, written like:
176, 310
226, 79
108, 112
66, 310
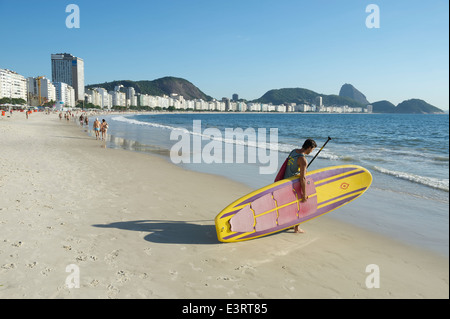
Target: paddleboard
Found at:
277, 206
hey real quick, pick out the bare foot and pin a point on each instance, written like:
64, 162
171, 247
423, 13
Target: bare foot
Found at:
298, 230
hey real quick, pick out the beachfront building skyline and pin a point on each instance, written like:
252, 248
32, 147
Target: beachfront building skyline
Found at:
226, 105
12, 85
15, 85
69, 69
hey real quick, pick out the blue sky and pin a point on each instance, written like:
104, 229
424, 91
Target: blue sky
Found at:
246, 46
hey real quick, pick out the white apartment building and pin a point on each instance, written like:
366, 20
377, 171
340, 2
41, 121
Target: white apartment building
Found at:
106, 98
304, 108
190, 105
280, 108
267, 108
241, 107
118, 98
65, 93
220, 105
254, 107
12, 85
48, 90
131, 96
94, 97
215, 105
232, 106
177, 101
142, 99
290, 108
201, 105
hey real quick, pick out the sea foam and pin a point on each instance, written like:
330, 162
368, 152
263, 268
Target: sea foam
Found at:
442, 184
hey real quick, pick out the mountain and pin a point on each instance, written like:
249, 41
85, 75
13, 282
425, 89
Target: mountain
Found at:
294, 95
300, 96
383, 107
348, 90
417, 106
413, 106
348, 95
159, 87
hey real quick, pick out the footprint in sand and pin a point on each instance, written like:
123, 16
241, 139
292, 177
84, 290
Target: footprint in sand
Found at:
46, 271
174, 274
122, 276
112, 291
81, 257
110, 258
8, 266
17, 244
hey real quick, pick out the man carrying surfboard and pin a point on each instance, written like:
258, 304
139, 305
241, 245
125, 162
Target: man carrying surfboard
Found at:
297, 165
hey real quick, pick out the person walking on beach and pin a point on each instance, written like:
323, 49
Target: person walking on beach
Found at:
86, 121
297, 165
104, 129
97, 128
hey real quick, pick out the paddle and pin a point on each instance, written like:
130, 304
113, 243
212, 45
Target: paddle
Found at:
329, 139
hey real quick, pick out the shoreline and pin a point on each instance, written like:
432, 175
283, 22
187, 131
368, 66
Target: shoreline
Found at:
146, 230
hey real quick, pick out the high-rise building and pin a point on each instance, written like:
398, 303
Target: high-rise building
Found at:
12, 85
235, 97
69, 69
319, 101
226, 101
131, 96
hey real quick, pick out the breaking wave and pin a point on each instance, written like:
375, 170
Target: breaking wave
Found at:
442, 184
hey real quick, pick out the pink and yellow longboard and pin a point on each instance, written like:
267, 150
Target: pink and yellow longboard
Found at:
277, 206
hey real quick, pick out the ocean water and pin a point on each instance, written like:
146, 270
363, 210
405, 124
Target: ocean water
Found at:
407, 154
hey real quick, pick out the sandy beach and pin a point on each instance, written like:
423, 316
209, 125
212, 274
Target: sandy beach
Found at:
136, 226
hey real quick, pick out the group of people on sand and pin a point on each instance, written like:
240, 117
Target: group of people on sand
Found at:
67, 115
100, 127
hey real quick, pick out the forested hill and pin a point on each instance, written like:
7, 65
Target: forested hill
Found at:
413, 106
159, 87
